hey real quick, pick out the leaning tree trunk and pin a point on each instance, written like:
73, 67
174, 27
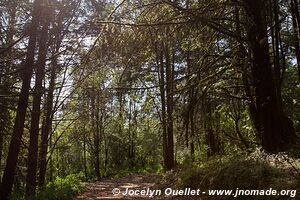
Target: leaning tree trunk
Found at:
15, 144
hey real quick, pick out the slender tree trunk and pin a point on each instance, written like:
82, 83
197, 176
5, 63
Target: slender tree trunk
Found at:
211, 138
51, 171
189, 121
296, 25
276, 47
192, 144
240, 135
163, 102
121, 124
5, 82
106, 154
186, 124
31, 180
166, 94
47, 128
134, 134
97, 137
15, 144
129, 129
84, 155
170, 102
1, 149
4, 120
95, 125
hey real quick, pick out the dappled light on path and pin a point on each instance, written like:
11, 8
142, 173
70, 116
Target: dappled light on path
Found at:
103, 189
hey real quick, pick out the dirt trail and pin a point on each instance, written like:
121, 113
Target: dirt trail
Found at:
103, 189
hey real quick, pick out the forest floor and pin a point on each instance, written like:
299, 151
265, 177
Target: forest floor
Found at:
258, 171
104, 189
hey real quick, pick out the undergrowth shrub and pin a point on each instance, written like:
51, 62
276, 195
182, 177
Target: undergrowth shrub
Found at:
62, 188
257, 171
118, 173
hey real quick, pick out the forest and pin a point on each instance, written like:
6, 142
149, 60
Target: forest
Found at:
198, 94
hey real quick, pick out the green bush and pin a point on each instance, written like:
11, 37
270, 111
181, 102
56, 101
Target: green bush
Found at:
62, 188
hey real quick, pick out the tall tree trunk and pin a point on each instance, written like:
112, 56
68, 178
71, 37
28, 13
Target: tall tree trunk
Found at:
170, 102
31, 180
163, 101
5, 81
47, 125
84, 154
192, 137
106, 143
15, 144
241, 64
121, 97
95, 125
186, 124
211, 138
192, 99
166, 77
134, 134
296, 25
129, 129
97, 136
189, 121
269, 112
51, 165
276, 47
